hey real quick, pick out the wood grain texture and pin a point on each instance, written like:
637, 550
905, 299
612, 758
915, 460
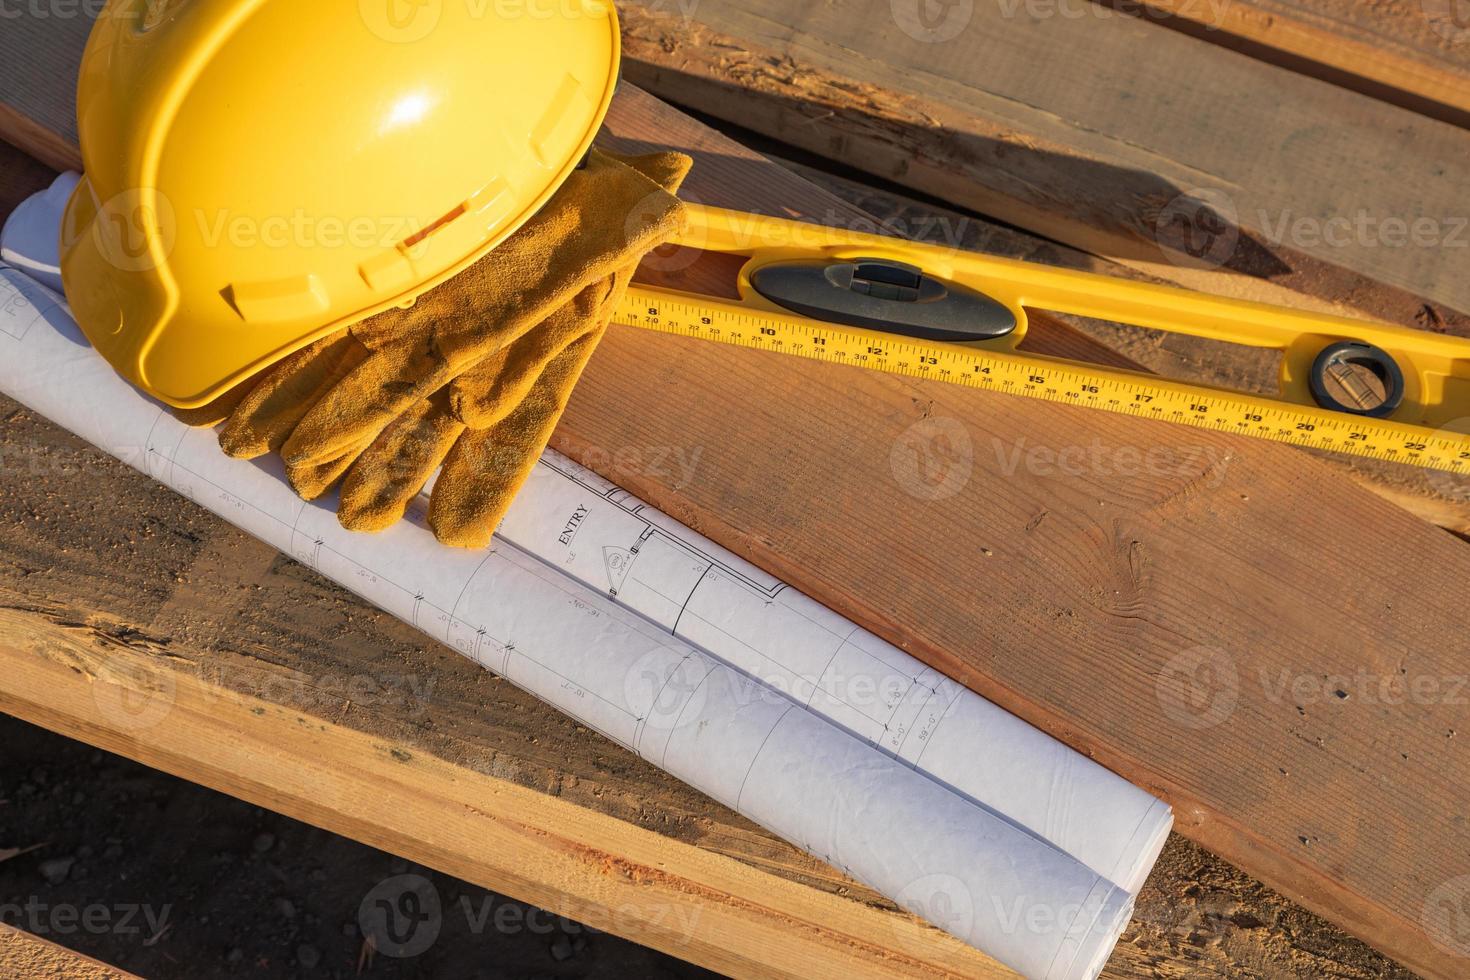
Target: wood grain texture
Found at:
42, 143
733, 80
237, 619
1104, 148
25, 955
1413, 55
1158, 615
183, 602
1190, 629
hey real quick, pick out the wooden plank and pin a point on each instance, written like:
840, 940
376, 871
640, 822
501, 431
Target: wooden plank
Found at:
200, 605
25, 955
727, 77
1412, 55
1104, 148
1085, 599
42, 143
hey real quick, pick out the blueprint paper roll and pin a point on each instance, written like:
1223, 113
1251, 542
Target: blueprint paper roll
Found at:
604, 537
1009, 893
684, 583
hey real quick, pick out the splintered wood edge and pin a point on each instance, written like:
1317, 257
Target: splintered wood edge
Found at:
676, 897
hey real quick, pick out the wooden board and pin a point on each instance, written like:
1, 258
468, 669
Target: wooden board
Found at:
254, 634
197, 605
1105, 609
735, 80
1101, 608
1096, 132
1087, 601
25, 955
1414, 55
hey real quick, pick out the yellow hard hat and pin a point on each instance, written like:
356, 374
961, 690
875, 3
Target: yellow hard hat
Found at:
260, 173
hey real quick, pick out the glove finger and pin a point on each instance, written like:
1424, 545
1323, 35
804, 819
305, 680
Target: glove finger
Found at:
379, 389
487, 467
667, 169
490, 391
266, 416
311, 482
393, 470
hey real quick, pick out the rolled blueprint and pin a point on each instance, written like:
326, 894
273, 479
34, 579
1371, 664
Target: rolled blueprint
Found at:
685, 584
602, 536
1011, 894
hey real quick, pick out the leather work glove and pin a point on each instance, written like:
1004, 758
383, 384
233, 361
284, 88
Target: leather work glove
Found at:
474, 376
487, 430
490, 425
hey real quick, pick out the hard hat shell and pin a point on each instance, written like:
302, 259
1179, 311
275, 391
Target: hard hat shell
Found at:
260, 173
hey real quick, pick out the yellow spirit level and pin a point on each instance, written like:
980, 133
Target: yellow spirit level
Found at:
1352, 386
